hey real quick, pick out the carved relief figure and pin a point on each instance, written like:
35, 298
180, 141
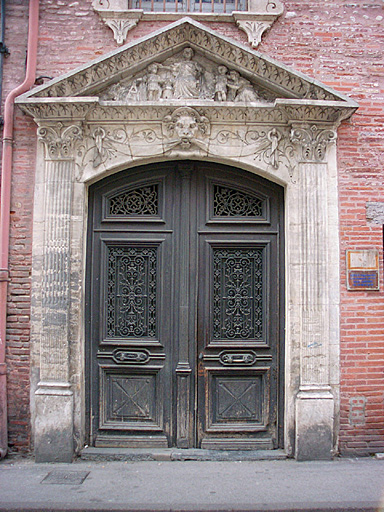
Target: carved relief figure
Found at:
138, 90
154, 83
221, 84
240, 89
187, 75
184, 77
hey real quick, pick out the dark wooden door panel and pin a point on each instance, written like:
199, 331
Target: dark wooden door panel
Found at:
237, 376
184, 321
132, 344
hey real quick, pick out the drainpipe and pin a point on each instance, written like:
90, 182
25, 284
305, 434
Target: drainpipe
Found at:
3, 49
30, 74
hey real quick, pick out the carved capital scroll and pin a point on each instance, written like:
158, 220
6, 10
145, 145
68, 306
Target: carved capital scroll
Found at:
60, 140
312, 141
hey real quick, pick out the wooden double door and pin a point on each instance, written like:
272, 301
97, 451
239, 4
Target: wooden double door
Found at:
184, 292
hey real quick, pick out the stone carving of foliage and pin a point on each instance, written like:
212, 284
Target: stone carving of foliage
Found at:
313, 141
60, 140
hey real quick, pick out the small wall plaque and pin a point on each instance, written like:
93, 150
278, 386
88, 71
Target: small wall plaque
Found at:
363, 270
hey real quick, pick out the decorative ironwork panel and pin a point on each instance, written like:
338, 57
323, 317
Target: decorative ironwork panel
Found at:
130, 398
131, 292
139, 201
237, 399
229, 202
237, 294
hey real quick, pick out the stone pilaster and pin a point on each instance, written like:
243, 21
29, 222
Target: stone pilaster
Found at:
315, 401
54, 397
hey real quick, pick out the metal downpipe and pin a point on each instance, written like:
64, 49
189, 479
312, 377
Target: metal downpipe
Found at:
33, 27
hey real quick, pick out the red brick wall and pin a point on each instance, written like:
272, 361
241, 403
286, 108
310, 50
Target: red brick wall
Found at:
341, 44
18, 331
337, 42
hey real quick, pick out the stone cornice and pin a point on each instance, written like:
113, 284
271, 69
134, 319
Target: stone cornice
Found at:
89, 109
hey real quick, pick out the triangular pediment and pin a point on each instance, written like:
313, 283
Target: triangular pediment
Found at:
151, 70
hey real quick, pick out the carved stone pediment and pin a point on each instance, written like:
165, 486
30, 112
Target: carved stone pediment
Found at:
186, 76
186, 64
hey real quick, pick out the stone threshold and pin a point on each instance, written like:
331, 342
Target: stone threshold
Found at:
177, 454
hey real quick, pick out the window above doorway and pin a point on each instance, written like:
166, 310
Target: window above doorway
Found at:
252, 16
189, 6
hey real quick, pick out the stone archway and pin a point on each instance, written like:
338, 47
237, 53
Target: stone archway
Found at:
286, 135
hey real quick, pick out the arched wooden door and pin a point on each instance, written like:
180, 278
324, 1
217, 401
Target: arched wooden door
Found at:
184, 308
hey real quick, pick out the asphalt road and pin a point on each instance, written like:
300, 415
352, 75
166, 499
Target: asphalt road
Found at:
280, 485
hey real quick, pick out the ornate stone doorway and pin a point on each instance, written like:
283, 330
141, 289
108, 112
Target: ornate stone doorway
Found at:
245, 111
185, 337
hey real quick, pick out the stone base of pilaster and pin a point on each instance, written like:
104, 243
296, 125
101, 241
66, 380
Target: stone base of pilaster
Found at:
314, 424
54, 422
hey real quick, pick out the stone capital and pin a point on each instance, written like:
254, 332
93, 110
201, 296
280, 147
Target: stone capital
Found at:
60, 140
312, 141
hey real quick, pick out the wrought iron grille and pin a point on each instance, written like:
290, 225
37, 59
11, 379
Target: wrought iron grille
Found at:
131, 292
139, 201
228, 202
237, 294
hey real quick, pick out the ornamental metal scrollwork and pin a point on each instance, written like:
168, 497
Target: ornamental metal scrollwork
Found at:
229, 202
139, 201
237, 294
131, 292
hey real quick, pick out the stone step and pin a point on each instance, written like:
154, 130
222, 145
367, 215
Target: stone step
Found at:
177, 454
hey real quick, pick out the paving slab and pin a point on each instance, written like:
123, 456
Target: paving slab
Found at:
184, 486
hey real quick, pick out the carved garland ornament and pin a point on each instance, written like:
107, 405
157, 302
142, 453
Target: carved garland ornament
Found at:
192, 134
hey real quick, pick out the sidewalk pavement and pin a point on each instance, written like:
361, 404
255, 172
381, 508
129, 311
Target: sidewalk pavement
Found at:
280, 485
